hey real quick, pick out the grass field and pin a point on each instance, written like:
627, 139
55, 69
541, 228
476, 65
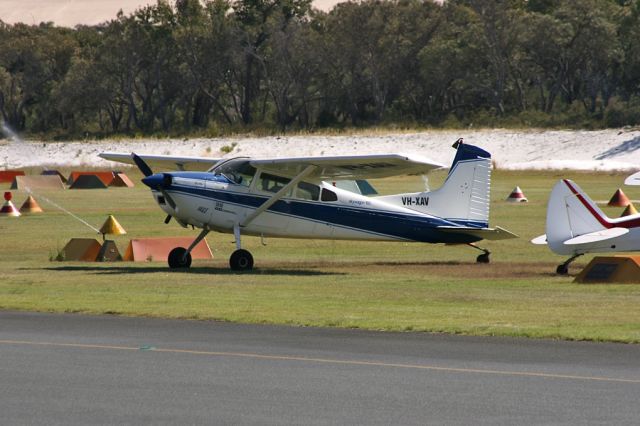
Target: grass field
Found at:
382, 286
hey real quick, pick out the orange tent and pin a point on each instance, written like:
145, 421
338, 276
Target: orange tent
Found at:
122, 180
83, 249
7, 176
157, 249
611, 269
87, 182
105, 177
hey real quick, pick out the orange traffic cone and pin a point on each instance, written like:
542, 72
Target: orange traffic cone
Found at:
619, 199
30, 206
517, 196
8, 209
629, 210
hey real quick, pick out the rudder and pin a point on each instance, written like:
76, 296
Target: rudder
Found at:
464, 197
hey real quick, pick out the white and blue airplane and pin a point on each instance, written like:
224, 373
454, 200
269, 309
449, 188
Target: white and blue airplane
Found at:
575, 225
304, 198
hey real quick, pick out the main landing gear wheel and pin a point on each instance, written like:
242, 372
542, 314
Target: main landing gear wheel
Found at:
241, 260
177, 258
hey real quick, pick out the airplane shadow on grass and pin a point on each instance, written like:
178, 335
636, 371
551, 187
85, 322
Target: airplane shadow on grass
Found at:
122, 270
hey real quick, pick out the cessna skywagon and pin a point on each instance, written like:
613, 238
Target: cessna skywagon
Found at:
297, 198
576, 225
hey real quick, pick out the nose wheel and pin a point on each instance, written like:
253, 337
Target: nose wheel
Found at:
179, 258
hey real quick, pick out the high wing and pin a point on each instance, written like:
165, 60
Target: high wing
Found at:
165, 162
349, 167
337, 167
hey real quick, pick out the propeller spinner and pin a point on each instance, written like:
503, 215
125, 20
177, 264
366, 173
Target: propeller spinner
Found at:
157, 181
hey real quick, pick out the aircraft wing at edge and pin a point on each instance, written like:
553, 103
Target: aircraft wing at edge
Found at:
632, 180
350, 167
496, 233
164, 162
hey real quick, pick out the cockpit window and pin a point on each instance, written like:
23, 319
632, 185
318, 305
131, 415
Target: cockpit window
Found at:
238, 171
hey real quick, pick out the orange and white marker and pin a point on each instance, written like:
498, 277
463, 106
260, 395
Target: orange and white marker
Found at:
8, 209
30, 206
619, 199
517, 196
629, 210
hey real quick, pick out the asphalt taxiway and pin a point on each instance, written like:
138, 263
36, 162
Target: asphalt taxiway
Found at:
76, 369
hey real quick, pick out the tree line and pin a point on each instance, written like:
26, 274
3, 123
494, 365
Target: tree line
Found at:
195, 66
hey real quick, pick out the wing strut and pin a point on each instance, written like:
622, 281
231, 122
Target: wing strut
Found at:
277, 196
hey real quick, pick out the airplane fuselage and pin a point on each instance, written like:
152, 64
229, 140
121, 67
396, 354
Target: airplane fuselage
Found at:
206, 200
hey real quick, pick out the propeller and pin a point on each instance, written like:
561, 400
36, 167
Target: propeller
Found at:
144, 167
158, 182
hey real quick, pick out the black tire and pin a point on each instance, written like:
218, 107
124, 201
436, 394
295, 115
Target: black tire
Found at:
177, 260
483, 258
241, 260
562, 269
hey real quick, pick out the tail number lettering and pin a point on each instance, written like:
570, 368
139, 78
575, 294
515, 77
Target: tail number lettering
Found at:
415, 201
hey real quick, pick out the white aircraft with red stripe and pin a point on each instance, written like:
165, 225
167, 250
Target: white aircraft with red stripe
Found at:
576, 225
297, 198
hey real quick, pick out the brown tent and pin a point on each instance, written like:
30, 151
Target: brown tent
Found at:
37, 182
7, 176
54, 173
87, 182
611, 269
157, 249
121, 180
81, 249
109, 252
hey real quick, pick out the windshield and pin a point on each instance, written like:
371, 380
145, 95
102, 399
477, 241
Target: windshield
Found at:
237, 170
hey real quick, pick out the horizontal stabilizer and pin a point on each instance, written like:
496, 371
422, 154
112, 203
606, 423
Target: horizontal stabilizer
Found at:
496, 233
540, 240
594, 237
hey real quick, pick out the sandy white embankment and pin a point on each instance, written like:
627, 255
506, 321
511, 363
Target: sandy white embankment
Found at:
612, 149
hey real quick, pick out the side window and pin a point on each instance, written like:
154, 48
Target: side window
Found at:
328, 195
272, 183
308, 191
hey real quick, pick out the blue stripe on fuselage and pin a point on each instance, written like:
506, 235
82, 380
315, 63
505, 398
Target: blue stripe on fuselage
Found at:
392, 224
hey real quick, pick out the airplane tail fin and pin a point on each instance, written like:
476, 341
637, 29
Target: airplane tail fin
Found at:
464, 197
570, 214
